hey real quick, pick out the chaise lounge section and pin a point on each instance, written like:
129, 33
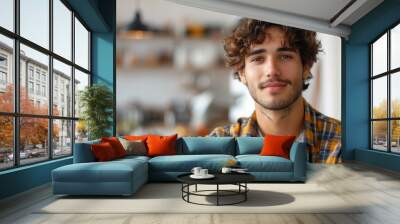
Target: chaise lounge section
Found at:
125, 176
88, 177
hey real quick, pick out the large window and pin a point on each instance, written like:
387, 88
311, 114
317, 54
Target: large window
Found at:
385, 95
44, 63
7, 14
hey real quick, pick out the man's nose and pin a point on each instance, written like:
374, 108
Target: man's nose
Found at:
271, 67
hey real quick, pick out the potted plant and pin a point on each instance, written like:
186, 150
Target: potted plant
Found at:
96, 102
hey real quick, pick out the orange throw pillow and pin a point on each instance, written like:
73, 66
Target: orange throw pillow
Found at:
161, 145
277, 146
136, 137
116, 145
103, 151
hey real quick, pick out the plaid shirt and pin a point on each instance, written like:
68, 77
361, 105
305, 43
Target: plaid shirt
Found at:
322, 134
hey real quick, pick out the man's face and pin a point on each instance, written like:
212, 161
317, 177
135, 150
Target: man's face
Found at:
273, 72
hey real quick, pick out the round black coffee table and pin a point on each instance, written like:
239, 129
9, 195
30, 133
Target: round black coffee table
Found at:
238, 179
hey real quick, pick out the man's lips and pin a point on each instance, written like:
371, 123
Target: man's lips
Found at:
273, 84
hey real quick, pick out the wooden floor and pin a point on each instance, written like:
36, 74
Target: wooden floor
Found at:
377, 188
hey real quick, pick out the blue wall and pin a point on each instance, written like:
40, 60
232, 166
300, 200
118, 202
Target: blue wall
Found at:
100, 17
24, 178
355, 92
103, 52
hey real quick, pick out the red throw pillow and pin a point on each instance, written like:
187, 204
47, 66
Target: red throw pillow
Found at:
161, 145
103, 151
277, 146
116, 145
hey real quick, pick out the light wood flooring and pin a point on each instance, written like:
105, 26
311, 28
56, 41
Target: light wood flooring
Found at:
378, 188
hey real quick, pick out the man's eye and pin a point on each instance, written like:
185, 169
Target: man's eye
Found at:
257, 59
285, 57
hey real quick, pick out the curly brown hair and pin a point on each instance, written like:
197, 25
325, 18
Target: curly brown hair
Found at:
251, 31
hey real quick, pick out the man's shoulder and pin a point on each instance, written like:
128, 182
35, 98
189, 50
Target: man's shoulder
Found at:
329, 120
322, 118
323, 125
221, 131
230, 130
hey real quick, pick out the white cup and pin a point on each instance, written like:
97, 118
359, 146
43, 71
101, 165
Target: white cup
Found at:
203, 172
196, 170
226, 170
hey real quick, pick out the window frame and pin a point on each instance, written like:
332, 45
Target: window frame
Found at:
16, 114
388, 74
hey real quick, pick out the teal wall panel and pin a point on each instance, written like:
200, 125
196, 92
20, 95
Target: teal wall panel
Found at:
356, 100
102, 58
24, 178
355, 93
103, 66
379, 159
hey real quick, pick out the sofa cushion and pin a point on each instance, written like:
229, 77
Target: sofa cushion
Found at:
275, 145
131, 158
103, 152
111, 171
185, 163
135, 137
116, 145
206, 145
249, 145
93, 172
257, 163
161, 145
134, 147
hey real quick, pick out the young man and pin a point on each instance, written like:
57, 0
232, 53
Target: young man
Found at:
274, 62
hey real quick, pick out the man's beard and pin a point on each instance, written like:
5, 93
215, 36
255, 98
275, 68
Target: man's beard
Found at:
279, 104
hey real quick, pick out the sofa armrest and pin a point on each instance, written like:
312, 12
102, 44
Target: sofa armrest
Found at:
298, 156
83, 152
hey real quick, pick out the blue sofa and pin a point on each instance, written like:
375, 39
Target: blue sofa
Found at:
125, 176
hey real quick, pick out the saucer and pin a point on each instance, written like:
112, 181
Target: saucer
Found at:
240, 171
208, 176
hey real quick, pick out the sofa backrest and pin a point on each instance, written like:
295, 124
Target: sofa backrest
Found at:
206, 145
190, 146
249, 145
83, 152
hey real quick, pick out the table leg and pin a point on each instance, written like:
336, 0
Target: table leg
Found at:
196, 188
217, 194
182, 189
188, 189
245, 191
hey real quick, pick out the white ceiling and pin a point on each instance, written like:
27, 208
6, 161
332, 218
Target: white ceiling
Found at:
320, 9
324, 16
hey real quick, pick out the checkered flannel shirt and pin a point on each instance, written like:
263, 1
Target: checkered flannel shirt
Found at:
322, 134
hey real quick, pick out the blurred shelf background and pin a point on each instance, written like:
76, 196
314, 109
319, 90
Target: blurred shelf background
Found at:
171, 75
